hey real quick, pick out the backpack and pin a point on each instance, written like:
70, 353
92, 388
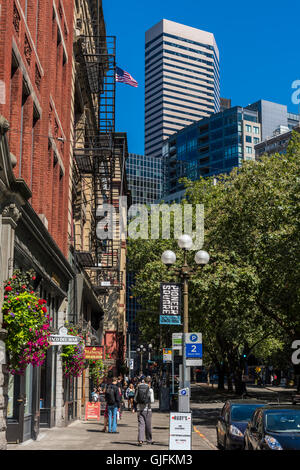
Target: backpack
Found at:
143, 394
110, 395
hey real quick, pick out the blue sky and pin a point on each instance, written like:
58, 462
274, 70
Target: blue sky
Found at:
258, 42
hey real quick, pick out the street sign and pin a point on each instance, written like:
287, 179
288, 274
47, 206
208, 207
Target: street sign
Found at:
167, 355
170, 303
194, 362
177, 341
63, 338
193, 349
180, 437
131, 364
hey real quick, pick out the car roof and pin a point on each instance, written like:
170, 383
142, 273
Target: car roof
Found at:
247, 402
281, 406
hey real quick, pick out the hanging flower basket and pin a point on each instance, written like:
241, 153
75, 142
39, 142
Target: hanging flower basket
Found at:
27, 322
73, 356
97, 371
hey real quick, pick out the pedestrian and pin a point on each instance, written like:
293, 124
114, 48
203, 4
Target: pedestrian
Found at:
112, 398
95, 395
144, 396
130, 393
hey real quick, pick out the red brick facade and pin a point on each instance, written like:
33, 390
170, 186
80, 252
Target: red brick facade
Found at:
36, 42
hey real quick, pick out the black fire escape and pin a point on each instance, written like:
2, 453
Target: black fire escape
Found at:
99, 155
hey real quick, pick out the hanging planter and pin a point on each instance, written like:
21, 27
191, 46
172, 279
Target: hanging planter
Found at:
73, 356
97, 370
27, 322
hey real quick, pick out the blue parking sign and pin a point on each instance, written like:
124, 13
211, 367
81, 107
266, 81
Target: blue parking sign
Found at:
193, 350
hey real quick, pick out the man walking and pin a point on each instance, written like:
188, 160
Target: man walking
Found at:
112, 398
144, 396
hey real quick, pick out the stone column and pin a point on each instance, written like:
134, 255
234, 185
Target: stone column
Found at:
60, 404
8, 222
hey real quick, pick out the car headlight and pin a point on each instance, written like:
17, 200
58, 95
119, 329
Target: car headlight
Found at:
235, 431
272, 443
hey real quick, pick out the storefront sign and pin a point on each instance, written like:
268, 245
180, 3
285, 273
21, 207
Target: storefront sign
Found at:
180, 431
93, 352
92, 411
170, 303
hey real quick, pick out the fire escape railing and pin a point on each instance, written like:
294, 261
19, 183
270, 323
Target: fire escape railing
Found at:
97, 159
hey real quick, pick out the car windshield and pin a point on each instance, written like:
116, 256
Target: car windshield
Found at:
283, 421
243, 412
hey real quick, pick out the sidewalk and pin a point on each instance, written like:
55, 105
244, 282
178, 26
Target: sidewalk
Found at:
204, 393
86, 435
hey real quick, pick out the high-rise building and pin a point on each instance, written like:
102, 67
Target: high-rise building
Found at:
144, 176
273, 115
209, 147
181, 80
219, 143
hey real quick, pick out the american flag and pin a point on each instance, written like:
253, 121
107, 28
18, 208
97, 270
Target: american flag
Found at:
125, 77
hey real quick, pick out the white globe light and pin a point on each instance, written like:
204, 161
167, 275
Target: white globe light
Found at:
201, 257
168, 257
150, 346
185, 241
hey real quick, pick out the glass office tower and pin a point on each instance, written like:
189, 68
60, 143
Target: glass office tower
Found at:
182, 83
144, 176
209, 147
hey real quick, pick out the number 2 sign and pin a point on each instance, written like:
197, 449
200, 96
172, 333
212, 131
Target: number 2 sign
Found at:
193, 345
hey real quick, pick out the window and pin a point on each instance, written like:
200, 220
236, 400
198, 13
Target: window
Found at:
249, 149
249, 138
255, 129
248, 128
255, 140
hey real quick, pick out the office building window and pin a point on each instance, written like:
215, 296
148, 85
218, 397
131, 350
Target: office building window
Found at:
256, 130
256, 140
249, 138
249, 149
248, 128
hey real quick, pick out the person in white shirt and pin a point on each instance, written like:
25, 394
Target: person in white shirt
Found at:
144, 396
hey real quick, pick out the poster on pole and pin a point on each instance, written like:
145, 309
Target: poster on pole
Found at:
170, 303
167, 355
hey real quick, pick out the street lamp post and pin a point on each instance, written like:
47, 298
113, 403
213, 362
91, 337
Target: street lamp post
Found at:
141, 349
168, 257
149, 357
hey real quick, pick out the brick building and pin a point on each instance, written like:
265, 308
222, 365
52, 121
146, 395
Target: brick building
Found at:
36, 72
60, 159
36, 78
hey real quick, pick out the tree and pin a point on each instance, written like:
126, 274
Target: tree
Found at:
249, 292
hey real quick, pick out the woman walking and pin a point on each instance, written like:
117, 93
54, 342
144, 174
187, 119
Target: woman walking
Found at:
130, 392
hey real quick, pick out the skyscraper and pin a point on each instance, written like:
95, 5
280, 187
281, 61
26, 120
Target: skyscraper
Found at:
181, 80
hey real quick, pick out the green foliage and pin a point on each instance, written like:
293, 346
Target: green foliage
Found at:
248, 295
73, 355
26, 319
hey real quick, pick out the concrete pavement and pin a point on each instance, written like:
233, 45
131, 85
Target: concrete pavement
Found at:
87, 435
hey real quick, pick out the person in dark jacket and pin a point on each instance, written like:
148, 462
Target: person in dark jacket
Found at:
112, 397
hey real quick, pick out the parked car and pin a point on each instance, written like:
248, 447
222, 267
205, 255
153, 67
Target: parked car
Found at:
274, 428
233, 421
